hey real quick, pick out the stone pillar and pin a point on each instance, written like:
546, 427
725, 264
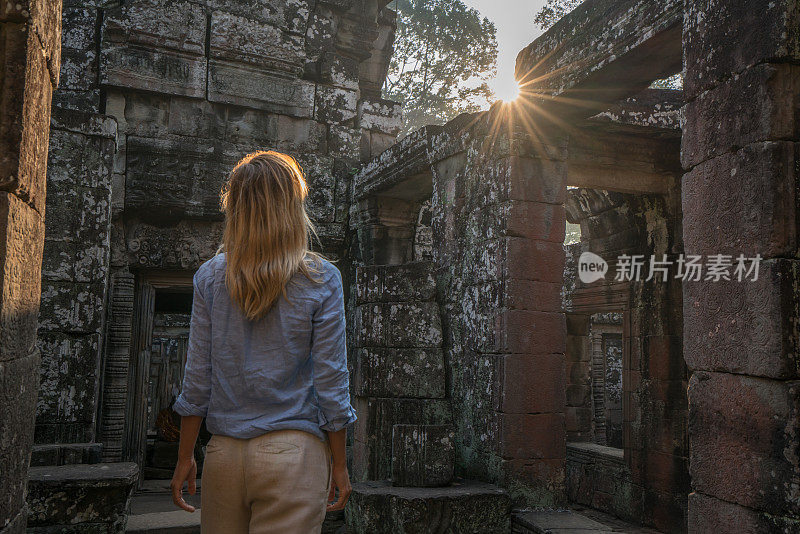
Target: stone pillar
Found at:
30, 41
740, 152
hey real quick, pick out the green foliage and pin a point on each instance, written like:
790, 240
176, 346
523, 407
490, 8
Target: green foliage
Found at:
553, 10
444, 55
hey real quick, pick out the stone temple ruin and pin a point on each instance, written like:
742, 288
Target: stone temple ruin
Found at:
489, 380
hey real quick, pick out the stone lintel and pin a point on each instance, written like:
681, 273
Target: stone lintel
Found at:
575, 69
652, 113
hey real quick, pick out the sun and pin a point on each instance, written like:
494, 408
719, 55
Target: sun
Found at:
507, 90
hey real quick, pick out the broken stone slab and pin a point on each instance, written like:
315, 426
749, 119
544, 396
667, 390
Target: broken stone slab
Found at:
422, 455
80, 498
465, 507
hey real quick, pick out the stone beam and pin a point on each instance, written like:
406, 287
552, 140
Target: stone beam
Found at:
402, 171
602, 52
623, 163
652, 113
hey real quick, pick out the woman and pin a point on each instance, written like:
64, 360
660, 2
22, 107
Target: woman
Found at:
266, 365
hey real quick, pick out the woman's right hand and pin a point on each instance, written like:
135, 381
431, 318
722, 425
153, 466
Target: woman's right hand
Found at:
340, 479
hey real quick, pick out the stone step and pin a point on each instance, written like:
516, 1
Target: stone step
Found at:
465, 507
575, 521
174, 522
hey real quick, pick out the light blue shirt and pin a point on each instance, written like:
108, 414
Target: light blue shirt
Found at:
288, 370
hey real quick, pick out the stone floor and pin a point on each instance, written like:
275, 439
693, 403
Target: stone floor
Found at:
152, 512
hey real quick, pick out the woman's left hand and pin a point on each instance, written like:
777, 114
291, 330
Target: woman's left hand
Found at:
185, 471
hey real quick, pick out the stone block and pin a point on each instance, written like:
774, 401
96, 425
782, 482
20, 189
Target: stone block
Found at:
19, 383
185, 245
160, 71
373, 431
469, 507
724, 38
290, 16
517, 429
189, 174
529, 259
536, 180
334, 105
531, 383
21, 240
529, 332
69, 377
78, 49
247, 40
381, 115
395, 283
66, 454
24, 114
72, 306
535, 220
339, 71
707, 514
422, 455
320, 175
393, 372
241, 85
744, 327
725, 118
398, 324
81, 498
743, 434
155, 45
750, 196
168, 24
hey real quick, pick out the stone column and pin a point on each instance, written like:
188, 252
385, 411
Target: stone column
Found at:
740, 152
30, 44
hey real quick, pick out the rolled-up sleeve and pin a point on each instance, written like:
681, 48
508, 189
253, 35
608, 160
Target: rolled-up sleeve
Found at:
329, 356
196, 390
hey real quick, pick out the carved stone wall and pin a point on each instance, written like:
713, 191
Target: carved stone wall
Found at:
159, 100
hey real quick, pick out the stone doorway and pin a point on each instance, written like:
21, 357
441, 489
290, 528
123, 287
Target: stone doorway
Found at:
160, 337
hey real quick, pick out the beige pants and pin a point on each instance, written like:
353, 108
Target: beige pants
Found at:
275, 483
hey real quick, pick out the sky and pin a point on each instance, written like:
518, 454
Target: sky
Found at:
515, 30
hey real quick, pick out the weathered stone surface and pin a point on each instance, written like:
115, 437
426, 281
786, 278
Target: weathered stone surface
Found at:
412, 373
22, 234
291, 15
744, 327
334, 105
239, 85
381, 115
706, 514
66, 454
24, 114
655, 112
637, 37
470, 507
239, 38
186, 245
19, 382
750, 196
81, 498
755, 106
78, 50
724, 38
155, 46
422, 455
516, 429
373, 434
398, 324
743, 432
395, 283
530, 383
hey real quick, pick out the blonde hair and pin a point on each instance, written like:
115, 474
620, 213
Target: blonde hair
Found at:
267, 230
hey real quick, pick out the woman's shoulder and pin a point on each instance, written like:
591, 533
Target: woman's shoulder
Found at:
208, 270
